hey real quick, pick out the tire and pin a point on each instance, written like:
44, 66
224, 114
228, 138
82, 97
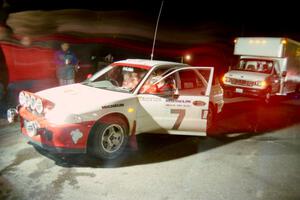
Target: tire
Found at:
228, 94
297, 90
109, 138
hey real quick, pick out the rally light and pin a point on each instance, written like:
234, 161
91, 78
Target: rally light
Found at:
32, 102
39, 106
22, 99
27, 100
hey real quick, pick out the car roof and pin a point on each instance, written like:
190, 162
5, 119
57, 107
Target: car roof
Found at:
150, 63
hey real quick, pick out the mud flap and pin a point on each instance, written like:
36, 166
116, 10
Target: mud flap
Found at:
132, 141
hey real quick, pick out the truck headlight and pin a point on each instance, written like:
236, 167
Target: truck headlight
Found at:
262, 84
226, 79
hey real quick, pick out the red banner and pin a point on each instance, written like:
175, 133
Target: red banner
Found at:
28, 63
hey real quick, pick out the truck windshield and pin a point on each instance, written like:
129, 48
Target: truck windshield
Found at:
261, 66
117, 78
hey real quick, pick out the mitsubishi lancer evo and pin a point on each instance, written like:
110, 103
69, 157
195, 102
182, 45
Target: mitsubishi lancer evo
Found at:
122, 100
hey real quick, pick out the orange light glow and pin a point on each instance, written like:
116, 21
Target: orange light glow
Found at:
263, 83
224, 79
283, 41
188, 57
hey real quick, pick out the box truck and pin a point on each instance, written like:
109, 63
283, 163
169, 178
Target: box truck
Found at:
267, 66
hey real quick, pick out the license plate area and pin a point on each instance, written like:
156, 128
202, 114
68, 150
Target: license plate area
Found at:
239, 90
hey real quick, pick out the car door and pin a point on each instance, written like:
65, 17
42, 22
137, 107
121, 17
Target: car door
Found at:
184, 110
275, 79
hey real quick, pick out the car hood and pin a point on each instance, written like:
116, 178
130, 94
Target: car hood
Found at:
78, 98
245, 75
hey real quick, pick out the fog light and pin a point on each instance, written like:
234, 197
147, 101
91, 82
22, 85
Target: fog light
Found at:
11, 115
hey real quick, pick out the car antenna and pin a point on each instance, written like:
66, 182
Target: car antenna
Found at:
152, 52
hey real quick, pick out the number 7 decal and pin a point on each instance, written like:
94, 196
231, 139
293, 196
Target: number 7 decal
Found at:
181, 114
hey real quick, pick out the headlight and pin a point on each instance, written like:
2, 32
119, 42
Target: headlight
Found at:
27, 100
32, 102
225, 79
261, 83
39, 106
22, 99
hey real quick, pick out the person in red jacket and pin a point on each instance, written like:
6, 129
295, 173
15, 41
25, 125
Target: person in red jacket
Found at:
156, 85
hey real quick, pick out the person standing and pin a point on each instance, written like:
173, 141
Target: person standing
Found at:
66, 65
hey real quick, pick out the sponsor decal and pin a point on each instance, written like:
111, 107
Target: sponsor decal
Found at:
181, 115
76, 135
178, 103
128, 69
150, 99
113, 106
204, 114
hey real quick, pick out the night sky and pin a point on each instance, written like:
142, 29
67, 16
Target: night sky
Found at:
241, 18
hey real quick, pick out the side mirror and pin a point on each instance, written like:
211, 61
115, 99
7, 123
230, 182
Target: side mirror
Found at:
283, 74
175, 94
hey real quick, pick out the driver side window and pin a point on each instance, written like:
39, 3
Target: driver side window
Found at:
193, 82
159, 83
185, 82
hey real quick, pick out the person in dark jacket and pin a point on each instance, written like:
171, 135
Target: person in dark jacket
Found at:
66, 65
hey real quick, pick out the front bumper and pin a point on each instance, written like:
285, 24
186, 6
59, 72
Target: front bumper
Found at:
65, 138
243, 91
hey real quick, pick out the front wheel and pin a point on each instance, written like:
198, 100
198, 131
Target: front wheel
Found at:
110, 138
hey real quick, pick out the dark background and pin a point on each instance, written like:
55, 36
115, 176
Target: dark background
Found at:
239, 18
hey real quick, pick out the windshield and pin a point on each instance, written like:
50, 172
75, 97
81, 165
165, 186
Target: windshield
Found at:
261, 66
119, 78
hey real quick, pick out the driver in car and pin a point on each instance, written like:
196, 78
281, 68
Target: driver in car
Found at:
164, 86
115, 76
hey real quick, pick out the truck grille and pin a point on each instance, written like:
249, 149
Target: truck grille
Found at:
241, 82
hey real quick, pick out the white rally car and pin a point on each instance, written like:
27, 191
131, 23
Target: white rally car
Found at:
126, 98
